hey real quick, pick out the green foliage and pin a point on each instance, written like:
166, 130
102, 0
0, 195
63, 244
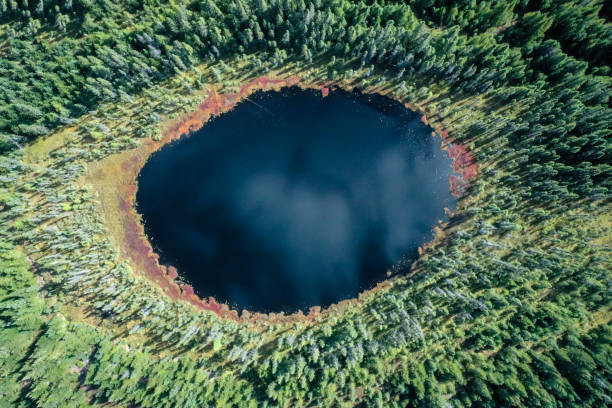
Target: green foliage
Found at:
20, 316
510, 308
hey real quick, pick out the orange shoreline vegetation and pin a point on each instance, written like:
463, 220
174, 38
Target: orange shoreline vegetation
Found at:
463, 161
137, 248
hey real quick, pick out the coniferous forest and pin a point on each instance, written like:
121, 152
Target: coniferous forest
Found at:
509, 305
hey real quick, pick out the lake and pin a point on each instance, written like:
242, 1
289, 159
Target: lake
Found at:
293, 200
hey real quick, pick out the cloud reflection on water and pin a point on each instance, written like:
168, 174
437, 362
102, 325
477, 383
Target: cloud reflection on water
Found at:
295, 200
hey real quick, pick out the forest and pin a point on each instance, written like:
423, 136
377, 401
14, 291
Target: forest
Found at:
509, 305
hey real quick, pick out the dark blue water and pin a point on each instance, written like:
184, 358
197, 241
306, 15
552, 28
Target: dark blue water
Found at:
292, 200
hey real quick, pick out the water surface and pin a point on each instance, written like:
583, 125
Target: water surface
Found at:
293, 200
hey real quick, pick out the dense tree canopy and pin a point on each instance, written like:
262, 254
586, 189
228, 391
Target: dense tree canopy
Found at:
509, 306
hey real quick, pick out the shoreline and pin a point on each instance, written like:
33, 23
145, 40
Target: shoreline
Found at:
134, 244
